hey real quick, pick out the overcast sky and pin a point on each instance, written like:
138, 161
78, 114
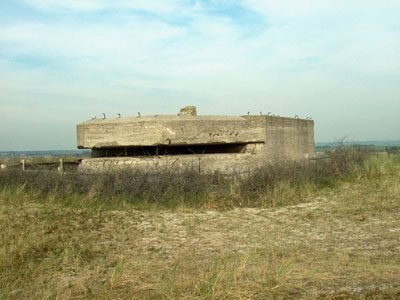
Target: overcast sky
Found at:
65, 61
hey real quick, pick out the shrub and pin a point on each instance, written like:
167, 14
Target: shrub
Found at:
267, 185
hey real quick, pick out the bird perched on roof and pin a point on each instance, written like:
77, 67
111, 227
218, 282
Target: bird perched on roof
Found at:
138, 114
104, 115
119, 115
296, 116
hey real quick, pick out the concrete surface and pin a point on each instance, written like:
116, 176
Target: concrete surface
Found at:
224, 163
223, 142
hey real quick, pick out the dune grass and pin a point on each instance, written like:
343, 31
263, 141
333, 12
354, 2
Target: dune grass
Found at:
60, 243
272, 185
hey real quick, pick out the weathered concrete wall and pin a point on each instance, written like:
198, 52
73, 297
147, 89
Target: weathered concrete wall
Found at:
168, 130
289, 139
225, 163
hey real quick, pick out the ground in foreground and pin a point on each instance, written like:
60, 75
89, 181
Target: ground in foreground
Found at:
345, 244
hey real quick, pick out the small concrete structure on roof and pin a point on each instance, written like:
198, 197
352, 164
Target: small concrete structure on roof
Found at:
224, 143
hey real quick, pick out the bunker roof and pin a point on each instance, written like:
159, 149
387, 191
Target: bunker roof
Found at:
158, 118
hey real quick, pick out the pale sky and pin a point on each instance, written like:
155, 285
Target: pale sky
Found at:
65, 61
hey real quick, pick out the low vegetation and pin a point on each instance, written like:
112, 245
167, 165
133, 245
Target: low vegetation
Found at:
272, 185
326, 229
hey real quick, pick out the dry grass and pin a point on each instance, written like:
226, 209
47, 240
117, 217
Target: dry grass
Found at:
343, 244
272, 185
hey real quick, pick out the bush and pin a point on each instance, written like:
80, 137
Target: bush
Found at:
267, 185
298, 176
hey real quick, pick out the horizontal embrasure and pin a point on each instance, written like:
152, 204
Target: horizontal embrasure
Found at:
168, 150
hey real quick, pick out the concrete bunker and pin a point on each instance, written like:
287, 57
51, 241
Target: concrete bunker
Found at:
224, 143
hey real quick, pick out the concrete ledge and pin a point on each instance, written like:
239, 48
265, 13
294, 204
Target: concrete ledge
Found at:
169, 130
224, 163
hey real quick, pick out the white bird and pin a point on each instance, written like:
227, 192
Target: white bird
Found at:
119, 115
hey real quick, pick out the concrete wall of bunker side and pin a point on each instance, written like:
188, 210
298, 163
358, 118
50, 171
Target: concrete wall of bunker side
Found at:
289, 139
